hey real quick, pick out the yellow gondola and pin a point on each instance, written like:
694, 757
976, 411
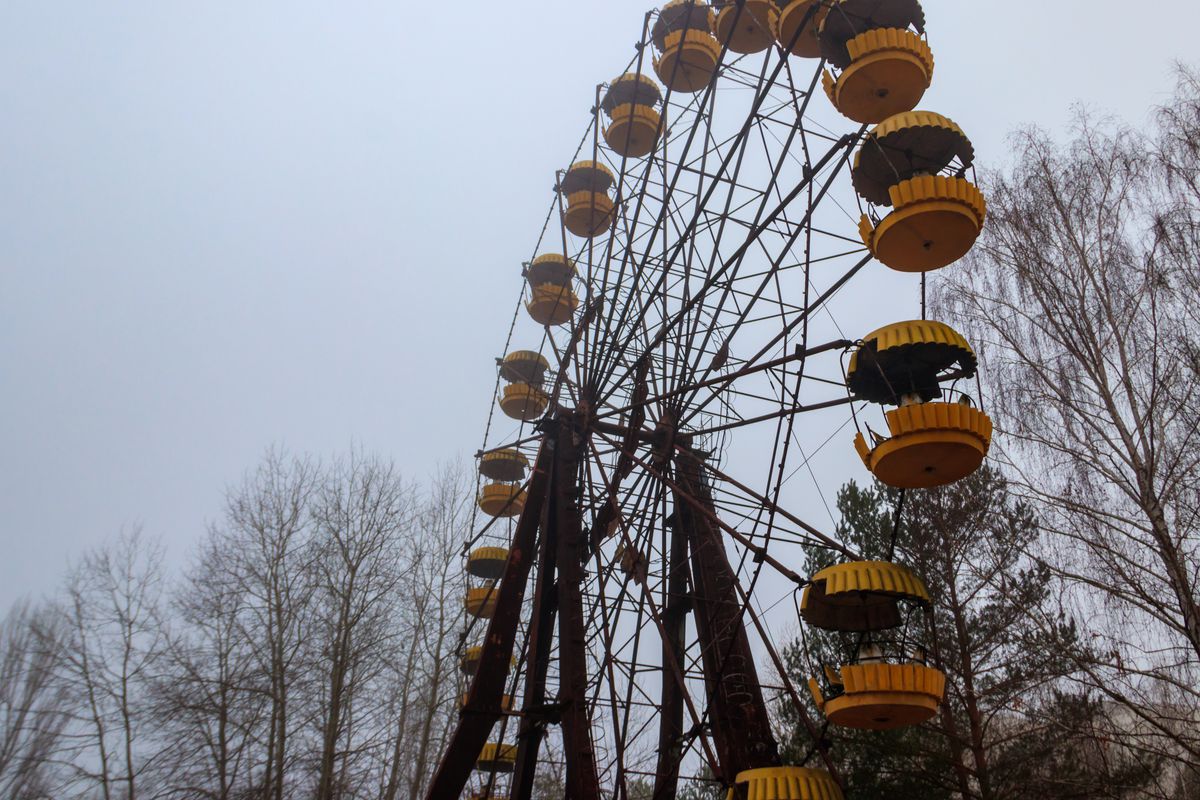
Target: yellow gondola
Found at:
468, 664
889, 71
745, 27
931, 443
487, 562
798, 26
550, 304
634, 125
481, 601
589, 209
503, 465
688, 52
524, 401
502, 499
936, 218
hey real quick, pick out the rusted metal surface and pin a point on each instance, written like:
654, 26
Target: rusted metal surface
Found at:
583, 781
670, 725
738, 716
535, 713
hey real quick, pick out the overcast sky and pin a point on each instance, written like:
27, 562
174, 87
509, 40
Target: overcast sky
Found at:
230, 225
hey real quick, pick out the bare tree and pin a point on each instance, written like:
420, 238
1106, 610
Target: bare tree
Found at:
1082, 295
210, 702
361, 515
33, 704
266, 538
113, 641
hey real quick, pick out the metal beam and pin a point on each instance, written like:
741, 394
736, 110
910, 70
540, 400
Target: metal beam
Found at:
583, 782
483, 706
741, 727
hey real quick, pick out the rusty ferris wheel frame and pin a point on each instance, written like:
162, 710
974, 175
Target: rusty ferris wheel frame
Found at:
694, 323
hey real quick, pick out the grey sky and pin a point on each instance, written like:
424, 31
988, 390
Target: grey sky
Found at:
227, 225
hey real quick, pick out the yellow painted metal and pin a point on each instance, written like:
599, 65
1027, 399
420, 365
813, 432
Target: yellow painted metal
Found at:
906, 357
749, 31
688, 61
524, 366
850, 18
792, 16
501, 499
552, 305
678, 15
932, 444
550, 268
789, 783
889, 73
487, 562
882, 696
905, 146
503, 465
860, 596
481, 601
588, 213
524, 401
633, 131
586, 176
630, 89
495, 757
935, 222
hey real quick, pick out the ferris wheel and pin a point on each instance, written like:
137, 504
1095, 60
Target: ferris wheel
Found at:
638, 521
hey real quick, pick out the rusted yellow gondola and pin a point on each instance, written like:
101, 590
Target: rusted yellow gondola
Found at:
913, 163
634, 124
688, 53
481, 601
864, 597
798, 26
589, 209
744, 27
885, 63
524, 401
931, 443
502, 499
551, 304
487, 562
506, 464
